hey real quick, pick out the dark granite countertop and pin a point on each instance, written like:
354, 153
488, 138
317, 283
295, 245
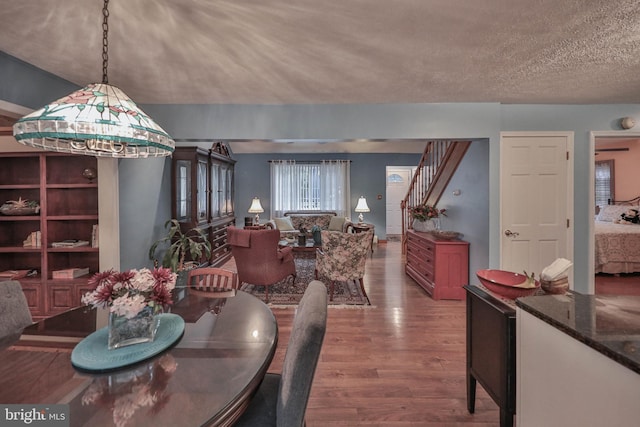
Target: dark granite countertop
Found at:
609, 324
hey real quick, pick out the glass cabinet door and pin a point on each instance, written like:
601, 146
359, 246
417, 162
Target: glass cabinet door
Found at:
215, 191
202, 191
183, 190
228, 195
224, 186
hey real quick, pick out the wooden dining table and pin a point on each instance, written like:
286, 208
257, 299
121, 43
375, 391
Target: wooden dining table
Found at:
207, 378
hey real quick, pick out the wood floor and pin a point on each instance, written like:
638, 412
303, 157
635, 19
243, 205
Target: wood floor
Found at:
399, 363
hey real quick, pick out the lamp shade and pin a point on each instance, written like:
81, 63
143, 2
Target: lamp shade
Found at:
256, 207
98, 120
362, 205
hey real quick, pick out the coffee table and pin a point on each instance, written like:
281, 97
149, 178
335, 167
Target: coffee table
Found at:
309, 248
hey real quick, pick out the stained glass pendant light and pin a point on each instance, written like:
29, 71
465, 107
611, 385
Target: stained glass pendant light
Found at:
97, 120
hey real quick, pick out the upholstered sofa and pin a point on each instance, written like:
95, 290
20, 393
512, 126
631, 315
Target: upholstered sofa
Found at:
293, 221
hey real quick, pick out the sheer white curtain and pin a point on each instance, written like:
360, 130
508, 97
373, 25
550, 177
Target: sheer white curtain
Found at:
321, 185
604, 182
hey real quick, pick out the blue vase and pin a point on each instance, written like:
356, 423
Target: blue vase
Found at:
317, 237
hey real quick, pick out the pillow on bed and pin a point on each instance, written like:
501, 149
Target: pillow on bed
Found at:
610, 213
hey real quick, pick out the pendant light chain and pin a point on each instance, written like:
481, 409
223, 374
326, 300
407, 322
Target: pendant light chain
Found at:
105, 41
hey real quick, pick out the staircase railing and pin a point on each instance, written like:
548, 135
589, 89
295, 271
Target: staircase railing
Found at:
439, 162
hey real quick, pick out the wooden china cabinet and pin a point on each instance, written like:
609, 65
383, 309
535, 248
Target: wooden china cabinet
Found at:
202, 195
68, 216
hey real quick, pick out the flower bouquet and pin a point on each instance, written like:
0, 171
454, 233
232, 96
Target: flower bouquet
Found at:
425, 217
426, 212
133, 298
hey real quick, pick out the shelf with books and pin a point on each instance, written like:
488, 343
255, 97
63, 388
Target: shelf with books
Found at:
14, 233
21, 259
65, 230
72, 258
68, 199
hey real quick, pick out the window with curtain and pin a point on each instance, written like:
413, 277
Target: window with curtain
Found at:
321, 185
605, 183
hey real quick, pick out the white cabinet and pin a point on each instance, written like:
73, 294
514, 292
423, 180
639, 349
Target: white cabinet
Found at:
563, 382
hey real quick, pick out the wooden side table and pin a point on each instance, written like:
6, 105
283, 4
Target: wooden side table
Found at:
491, 351
360, 227
256, 227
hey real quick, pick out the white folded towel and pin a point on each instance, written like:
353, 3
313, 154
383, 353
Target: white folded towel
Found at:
556, 270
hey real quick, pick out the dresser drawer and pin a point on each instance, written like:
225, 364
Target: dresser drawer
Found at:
418, 241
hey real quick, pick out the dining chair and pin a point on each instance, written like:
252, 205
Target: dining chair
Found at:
281, 400
210, 281
342, 257
259, 259
14, 310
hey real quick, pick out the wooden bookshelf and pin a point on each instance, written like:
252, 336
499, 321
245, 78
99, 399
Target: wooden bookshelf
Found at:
68, 210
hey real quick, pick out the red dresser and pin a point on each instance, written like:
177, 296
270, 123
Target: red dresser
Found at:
441, 267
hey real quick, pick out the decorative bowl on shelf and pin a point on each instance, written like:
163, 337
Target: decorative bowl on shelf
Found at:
446, 235
507, 284
20, 207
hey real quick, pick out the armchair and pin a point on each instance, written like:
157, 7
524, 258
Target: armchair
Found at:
258, 258
343, 257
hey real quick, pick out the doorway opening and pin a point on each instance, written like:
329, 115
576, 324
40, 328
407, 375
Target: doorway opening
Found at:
398, 179
619, 148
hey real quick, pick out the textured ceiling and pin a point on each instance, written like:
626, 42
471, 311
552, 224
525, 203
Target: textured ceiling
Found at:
337, 51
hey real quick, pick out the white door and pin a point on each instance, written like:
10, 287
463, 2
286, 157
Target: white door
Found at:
536, 211
398, 180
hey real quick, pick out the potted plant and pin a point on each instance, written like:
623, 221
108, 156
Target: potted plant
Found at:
193, 243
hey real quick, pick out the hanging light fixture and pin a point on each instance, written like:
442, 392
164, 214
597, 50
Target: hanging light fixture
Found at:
97, 120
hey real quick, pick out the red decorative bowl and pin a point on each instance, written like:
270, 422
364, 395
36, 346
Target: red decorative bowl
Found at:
506, 283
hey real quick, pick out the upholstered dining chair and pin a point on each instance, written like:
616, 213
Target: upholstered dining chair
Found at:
342, 257
211, 281
14, 310
281, 400
258, 258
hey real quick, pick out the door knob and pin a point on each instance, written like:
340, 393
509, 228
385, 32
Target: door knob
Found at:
510, 233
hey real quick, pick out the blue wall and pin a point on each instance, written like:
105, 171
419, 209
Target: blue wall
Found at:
24, 85
368, 178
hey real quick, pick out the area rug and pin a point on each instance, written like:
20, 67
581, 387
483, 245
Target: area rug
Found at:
286, 293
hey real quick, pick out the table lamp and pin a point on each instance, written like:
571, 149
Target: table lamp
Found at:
362, 207
256, 208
